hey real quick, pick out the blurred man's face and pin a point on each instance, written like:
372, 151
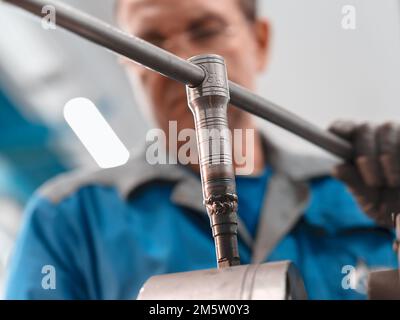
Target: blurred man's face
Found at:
188, 28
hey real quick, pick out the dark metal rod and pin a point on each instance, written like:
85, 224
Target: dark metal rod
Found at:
181, 70
252, 103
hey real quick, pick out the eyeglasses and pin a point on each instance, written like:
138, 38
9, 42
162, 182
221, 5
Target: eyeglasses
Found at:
209, 36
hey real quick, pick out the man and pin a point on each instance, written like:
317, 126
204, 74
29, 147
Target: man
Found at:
102, 235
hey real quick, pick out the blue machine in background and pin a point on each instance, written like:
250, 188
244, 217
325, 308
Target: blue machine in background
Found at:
26, 158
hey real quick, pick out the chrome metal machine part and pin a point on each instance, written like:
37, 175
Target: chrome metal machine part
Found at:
270, 281
385, 284
208, 103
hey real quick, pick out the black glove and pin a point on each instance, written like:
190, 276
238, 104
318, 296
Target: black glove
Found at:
374, 174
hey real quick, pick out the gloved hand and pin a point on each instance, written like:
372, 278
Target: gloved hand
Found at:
374, 174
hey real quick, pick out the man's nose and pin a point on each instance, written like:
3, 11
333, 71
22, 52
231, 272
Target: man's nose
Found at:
184, 49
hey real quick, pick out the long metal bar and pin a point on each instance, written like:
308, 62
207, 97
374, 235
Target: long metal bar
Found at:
183, 71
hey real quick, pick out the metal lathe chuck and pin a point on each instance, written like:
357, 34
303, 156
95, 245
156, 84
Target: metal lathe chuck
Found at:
270, 281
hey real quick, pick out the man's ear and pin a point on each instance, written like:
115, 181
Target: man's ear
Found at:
262, 35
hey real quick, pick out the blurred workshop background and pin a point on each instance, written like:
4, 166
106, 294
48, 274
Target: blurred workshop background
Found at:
317, 69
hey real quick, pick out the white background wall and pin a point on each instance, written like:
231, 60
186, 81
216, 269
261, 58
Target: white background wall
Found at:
323, 72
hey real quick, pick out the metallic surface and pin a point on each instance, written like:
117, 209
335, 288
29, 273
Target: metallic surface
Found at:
270, 281
180, 70
208, 103
384, 285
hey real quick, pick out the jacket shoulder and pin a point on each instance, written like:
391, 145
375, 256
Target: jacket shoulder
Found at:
124, 179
